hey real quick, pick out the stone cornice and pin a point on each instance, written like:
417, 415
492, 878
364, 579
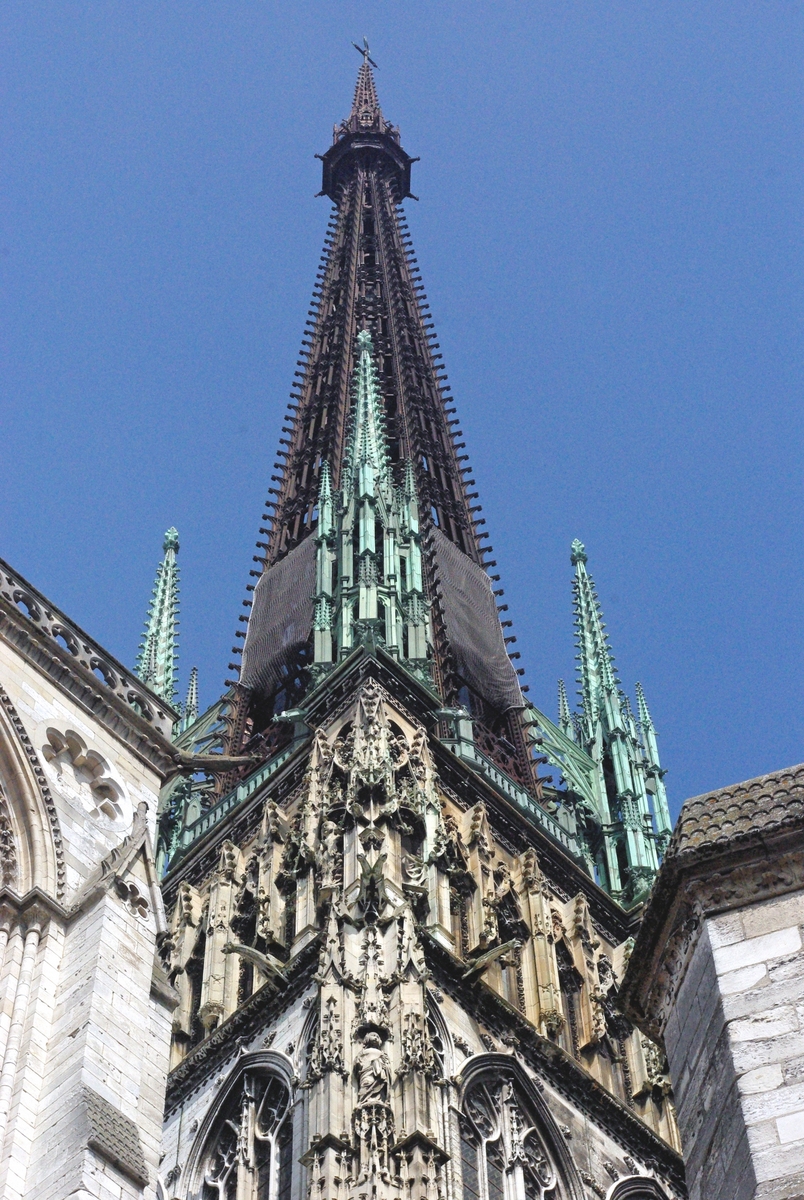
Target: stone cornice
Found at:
102, 703
690, 887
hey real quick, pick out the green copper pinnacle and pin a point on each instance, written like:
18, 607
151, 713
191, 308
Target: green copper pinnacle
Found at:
157, 661
368, 565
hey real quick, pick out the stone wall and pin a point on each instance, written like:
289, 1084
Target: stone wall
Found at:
84, 1007
718, 973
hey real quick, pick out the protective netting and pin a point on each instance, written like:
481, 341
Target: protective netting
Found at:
281, 619
473, 626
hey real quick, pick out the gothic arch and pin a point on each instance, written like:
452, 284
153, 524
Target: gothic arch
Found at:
637, 1187
30, 817
435, 1019
498, 1068
262, 1065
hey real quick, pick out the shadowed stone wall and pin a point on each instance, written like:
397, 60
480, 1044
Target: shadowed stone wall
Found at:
718, 974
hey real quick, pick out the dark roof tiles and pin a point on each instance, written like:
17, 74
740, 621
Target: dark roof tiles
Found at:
740, 811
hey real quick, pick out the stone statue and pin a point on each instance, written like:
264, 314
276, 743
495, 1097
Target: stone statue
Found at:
328, 855
373, 1072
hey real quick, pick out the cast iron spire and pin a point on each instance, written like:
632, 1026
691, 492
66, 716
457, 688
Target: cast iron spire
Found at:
368, 284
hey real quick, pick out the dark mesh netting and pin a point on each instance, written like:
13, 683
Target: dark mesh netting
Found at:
473, 626
281, 619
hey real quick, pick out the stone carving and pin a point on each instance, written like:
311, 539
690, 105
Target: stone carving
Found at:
329, 861
242, 1152
553, 1021
373, 1006
270, 970
129, 892
90, 772
8, 850
592, 1185
417, 1051
373, 1072
327, 1053
479, 832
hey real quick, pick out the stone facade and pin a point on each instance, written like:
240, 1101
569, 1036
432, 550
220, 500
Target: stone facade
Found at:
718, 973
392, 984
85, 1008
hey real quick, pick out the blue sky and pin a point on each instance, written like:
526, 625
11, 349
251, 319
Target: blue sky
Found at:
609, 232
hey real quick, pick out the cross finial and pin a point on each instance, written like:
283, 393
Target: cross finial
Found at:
364, 50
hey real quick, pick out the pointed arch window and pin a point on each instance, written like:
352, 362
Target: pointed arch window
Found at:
249, 1152
500, 1143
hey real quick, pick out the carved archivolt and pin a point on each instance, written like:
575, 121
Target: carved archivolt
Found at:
244, 1148
510, 1144
32, 824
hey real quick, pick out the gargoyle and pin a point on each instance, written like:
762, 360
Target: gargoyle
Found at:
479, 965
212, 764
262, 962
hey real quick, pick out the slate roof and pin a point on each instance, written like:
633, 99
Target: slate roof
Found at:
737, 813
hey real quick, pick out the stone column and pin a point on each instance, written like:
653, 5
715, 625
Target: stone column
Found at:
33, 930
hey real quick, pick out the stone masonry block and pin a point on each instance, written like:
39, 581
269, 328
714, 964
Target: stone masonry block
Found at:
725, 930
744, 978
764, 1025
772, 915
791, 1126
761, 1079
758, 949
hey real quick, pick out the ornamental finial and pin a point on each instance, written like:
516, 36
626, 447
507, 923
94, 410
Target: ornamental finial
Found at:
364, 50
578, 553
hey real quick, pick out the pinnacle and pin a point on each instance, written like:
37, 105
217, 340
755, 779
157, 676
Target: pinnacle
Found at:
365, 98
157, 660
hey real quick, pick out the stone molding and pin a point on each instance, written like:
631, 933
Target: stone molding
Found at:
42, 786
149, 742
113, 1135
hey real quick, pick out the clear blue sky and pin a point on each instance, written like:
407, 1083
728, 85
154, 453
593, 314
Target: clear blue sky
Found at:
610, 236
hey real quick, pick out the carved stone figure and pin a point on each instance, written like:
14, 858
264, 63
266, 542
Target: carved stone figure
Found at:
373, 1070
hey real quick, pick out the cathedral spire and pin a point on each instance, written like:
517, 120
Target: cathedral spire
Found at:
655, 774
564, 715
158, 659
371, 424
191, 703
366, 458
597, 677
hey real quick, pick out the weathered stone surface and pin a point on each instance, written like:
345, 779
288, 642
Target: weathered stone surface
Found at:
723, 940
